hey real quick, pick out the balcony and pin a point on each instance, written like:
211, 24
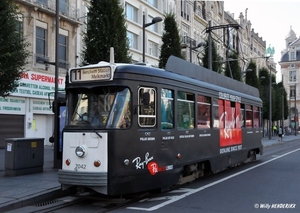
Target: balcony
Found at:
49, 7
188, 41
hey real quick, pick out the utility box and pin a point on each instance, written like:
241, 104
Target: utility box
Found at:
24, 156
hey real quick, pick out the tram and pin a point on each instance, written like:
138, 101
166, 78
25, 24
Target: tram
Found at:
132, 128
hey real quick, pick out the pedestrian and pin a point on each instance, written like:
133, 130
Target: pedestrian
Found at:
274, 130
280, 134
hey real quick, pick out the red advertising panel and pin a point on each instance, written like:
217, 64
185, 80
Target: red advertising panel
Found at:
229, 116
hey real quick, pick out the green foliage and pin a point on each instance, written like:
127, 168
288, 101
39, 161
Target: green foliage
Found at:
264, 77
217, 67
251, 76
171, 40
13, 48
106, 27
232, 67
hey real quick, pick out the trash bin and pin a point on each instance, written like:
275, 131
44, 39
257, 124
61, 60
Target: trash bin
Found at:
24, 156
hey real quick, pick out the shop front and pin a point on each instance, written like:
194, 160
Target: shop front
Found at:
26, 112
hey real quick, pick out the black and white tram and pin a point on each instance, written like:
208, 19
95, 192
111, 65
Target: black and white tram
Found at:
132, 128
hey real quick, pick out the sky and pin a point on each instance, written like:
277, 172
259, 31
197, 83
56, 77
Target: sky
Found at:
272, 21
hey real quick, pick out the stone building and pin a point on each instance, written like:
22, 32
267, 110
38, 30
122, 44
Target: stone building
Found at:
290, 67
27, 112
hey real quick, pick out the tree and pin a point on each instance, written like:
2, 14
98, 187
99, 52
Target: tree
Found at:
13, 48
251, 76
171, 40
232, 68
106, 28
264, 93
280, 99
217, 67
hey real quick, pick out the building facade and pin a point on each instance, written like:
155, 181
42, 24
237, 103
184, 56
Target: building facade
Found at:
27, 112
290, 67
135, 10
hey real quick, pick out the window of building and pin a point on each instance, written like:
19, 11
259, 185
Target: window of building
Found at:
147, 107
63, 6
292, 92
131, 12
292, 76
167, 109
41, 41
292, 56
133, 40
186, 10
42, 2
186, 110
153, 27
153, 2
153, 49
204, 111
62, 51
19, 29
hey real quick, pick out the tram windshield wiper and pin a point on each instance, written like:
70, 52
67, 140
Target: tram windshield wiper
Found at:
88, 123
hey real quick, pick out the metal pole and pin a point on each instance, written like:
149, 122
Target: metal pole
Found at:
56, 121
143, 37
270, 104
191, 50
296, 116
209, 46
282, 105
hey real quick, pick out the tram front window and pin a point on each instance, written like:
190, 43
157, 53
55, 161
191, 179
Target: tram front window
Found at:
101, 107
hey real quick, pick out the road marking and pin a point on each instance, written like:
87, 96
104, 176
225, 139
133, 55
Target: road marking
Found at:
193, 191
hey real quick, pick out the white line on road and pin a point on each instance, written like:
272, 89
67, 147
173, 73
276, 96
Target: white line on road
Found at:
193, 191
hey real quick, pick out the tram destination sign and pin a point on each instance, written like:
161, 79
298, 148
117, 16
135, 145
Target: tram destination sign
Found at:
90, 74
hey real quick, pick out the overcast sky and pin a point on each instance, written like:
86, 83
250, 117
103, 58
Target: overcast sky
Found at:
272, 20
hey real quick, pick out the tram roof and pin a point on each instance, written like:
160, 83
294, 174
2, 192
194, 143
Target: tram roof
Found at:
183, 67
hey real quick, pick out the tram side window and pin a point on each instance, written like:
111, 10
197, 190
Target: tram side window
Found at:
215, 112
167, 109
256, 116
242, 115
222, 114
204, 111
147, 107
260, 117
249, 116
186, 110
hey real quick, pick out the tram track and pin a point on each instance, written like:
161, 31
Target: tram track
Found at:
86, 203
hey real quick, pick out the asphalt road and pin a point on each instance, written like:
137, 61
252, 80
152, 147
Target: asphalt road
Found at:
271, 184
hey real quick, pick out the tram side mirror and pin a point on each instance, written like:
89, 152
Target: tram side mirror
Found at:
146, 98
53, 107
51, 139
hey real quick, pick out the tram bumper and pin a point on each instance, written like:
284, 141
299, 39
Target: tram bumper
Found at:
93, 180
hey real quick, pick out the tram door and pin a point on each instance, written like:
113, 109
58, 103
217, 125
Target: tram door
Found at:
59, 120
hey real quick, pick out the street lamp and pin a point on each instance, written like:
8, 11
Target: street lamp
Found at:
201, 44
244, 72
270, 103
154, 20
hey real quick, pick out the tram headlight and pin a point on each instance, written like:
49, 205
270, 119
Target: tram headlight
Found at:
80, 151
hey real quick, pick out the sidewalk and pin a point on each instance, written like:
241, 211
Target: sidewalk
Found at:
274, 140
19, 191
